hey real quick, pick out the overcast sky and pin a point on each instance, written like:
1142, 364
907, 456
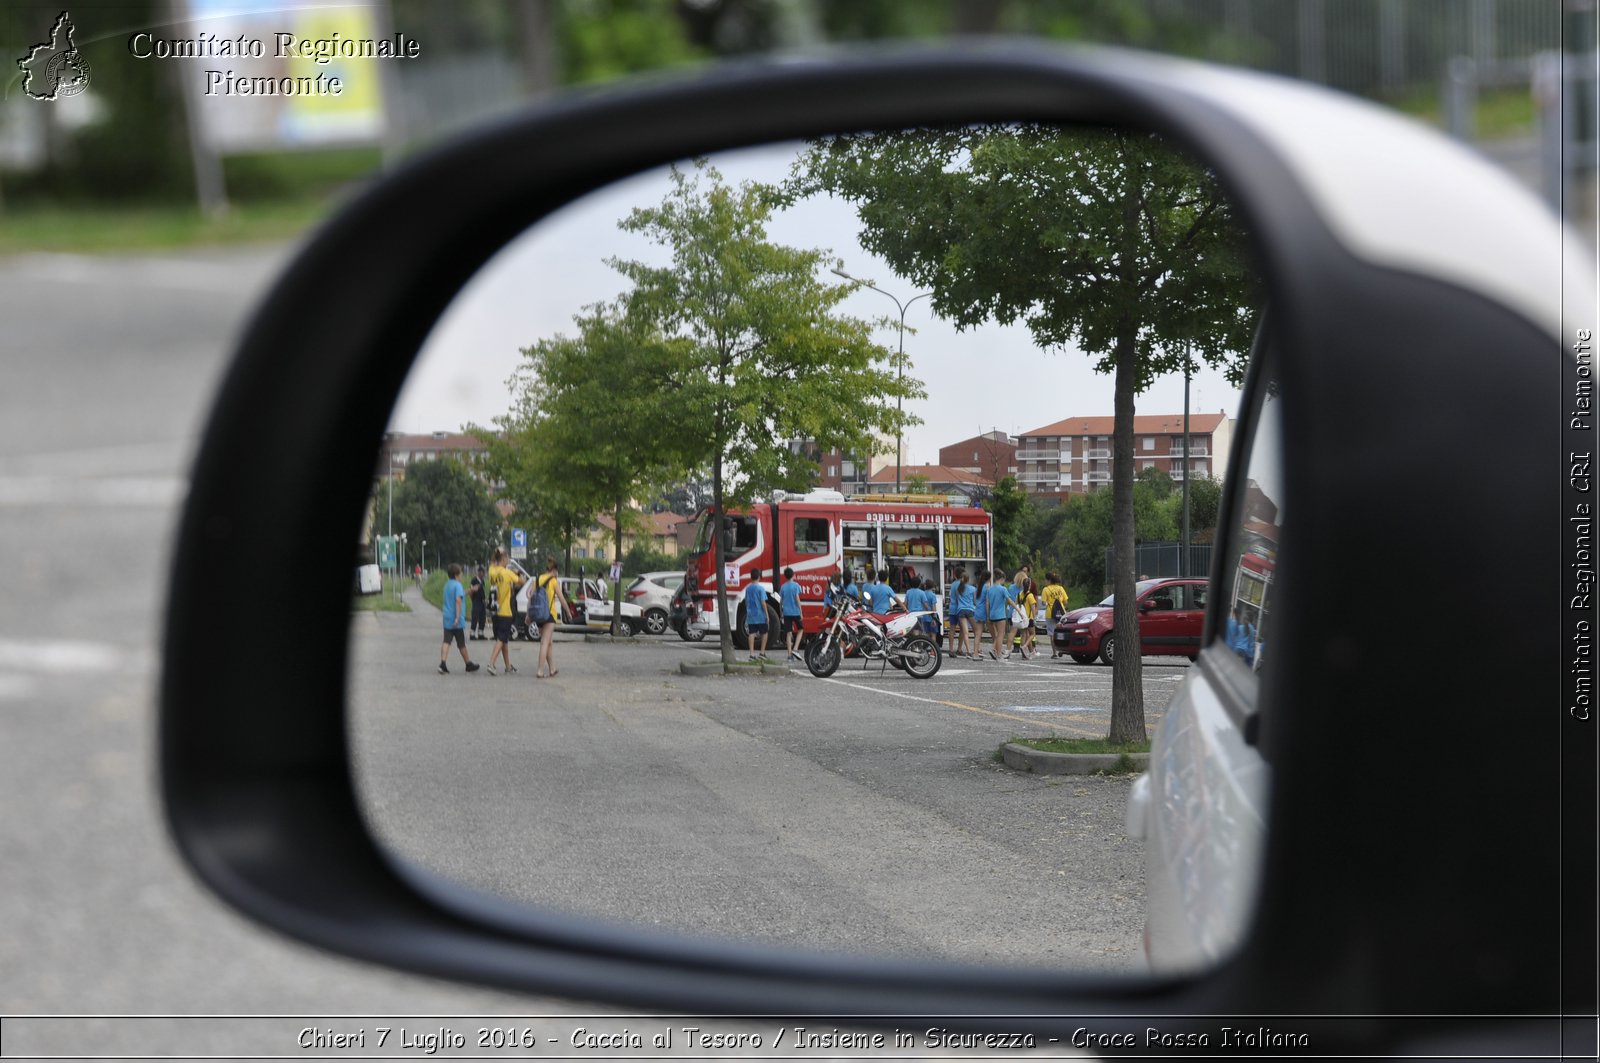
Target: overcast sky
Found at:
979, 380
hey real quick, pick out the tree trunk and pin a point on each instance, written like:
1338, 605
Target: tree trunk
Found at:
616, 584
718, 552
1127, 674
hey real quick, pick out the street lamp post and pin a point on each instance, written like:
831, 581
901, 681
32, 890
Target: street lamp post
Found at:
424, 556
900, 359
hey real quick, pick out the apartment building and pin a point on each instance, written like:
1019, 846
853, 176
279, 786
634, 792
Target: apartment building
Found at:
401, 449
992, 455
660, 531
844, 473
930, 479
1073, 456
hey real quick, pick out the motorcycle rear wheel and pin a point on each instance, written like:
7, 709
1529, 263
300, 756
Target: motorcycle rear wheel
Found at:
922, 658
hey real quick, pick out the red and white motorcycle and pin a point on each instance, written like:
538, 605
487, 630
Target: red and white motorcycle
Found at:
851, 631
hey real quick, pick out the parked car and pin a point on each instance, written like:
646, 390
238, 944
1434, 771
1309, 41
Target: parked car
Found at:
593, 606
653, 593
1172, 613
590, 607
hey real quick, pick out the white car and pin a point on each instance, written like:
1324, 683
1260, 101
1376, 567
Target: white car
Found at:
589, 597
653, 593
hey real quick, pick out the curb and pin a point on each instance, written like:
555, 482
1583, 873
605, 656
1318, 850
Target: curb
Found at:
610, 640
1024, 758
738, 670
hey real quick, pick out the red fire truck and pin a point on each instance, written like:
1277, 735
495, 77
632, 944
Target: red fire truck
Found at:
914, 537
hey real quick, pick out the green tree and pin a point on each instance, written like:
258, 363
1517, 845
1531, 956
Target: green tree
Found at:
766, 356
585, 428
1106, 239
1008, 507
444, 503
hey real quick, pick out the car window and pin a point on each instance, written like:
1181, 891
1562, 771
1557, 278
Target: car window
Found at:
1252, 547
810, 535
672, 582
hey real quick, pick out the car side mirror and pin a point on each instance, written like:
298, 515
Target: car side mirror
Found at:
1146, 605
1448, 291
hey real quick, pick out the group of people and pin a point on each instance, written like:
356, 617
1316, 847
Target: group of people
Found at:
755, 614
495, 592
1005, 610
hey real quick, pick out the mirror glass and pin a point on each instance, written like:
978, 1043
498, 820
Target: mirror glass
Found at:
893, 355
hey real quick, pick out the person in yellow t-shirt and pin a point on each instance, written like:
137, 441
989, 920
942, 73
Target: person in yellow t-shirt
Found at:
1054, 597
503, 584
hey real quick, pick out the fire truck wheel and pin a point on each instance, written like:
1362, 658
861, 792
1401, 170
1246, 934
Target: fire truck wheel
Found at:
741, 637
691, 632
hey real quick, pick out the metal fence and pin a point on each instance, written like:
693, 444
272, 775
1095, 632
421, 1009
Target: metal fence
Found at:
1163, 560
1371, 47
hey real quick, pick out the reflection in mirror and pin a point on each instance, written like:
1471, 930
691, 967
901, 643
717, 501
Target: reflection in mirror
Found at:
1254, 554
736, 390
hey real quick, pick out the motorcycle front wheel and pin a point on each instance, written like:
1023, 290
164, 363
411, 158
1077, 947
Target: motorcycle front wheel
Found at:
823, 656
922, 657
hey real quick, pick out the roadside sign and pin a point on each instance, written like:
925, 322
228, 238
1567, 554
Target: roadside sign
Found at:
519, 544
730, 574
387, 551
616, 571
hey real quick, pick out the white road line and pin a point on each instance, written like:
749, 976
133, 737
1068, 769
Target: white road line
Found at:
141, 491
67, 657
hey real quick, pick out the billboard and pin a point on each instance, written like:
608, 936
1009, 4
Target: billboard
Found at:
284, 75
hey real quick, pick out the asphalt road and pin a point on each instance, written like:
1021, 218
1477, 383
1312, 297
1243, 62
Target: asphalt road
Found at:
864, 813
109, 367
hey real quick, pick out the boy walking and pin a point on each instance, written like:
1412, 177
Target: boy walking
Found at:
789, 606
455, 621
755, 616
503, 585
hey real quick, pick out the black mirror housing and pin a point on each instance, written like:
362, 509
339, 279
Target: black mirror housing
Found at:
255, 761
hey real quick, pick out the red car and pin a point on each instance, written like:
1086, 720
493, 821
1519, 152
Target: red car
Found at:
1171, 613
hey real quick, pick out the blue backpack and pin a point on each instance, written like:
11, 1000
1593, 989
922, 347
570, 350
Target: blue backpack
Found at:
539, 602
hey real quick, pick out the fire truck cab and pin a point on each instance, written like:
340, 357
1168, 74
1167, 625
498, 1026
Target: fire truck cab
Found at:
819, 534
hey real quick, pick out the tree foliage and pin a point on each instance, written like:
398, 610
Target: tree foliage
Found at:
1104, 239
1008, 508
584, 432
444, 503
762, 354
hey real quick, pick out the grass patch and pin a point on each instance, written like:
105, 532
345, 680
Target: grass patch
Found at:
385, 601
1501, 112
433, 588
1054, 744
79, 229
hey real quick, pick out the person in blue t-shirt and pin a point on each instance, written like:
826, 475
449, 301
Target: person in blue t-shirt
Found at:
1242, 635
755, 616
454, 607
966, 596
880, 594
789, 606
998, 597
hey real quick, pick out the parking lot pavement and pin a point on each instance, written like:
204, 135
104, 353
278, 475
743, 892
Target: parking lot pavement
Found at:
865, 813
1026, 697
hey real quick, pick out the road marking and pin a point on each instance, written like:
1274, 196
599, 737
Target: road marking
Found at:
65, 656
147, 491
959, 705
